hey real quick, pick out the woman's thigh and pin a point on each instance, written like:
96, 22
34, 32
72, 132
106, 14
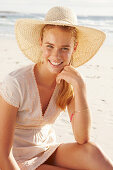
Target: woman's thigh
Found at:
73, 155
65, 153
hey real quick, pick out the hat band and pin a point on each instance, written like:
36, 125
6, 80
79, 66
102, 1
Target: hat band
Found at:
61, 22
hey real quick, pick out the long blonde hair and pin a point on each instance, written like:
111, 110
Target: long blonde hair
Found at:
66, 93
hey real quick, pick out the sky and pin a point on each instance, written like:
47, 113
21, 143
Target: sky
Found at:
82, 7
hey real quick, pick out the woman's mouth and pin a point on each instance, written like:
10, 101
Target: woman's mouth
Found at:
55, 64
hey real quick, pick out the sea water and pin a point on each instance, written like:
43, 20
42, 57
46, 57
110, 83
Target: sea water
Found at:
94, 14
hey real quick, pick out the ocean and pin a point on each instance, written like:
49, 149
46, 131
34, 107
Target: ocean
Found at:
104, 23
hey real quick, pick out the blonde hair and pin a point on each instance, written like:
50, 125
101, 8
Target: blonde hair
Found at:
66, 92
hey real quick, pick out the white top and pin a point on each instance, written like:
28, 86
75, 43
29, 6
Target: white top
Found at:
34, 138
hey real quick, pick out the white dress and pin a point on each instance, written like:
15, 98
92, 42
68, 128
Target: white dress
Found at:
34, 138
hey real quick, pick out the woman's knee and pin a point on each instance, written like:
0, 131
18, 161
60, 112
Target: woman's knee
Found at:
92, 149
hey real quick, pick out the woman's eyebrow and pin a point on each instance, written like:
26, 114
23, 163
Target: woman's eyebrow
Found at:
65, 45
49, 43
53, 44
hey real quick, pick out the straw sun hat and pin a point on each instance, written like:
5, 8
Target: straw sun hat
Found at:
27, 33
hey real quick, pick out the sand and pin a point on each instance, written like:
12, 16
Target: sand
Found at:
98, 75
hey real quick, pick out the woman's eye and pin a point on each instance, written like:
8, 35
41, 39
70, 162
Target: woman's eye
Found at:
49, 46
65, 49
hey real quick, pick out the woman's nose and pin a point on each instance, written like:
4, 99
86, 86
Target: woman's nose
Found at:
56, 53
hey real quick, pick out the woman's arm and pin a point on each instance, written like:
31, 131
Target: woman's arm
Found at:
81, 121
7, 126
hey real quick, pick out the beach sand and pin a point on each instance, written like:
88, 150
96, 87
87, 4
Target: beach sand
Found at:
98, 75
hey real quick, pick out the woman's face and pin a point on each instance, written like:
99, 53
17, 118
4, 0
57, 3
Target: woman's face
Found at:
57, 48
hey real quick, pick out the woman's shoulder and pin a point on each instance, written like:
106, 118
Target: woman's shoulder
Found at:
21, 72
20, 76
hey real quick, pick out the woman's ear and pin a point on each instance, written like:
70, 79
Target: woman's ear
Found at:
74, 49
75, 46
40, 41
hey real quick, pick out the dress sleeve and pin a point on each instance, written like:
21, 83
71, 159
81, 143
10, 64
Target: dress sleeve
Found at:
10, 91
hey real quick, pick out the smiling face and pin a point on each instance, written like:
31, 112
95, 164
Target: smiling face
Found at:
57, 48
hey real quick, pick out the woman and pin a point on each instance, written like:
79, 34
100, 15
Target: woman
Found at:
33, 96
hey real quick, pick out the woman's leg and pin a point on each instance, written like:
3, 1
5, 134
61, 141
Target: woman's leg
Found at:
50, 167
87, 156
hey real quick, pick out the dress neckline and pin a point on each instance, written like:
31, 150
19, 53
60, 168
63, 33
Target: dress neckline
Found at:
37, 89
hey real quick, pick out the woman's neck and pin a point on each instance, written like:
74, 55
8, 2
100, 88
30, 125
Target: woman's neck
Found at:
44, 77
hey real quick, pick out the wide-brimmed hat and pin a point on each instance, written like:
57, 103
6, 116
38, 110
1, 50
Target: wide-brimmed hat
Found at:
28, 31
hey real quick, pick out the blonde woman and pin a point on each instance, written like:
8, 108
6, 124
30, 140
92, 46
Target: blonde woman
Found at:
33, 96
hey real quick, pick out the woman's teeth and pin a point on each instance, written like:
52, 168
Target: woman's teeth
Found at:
54, 63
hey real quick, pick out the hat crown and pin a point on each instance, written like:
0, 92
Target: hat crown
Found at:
61, 14
28, 32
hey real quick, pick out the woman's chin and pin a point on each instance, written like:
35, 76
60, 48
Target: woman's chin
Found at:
53, 71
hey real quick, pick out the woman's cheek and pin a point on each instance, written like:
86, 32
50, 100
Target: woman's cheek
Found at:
66, 56
46, 54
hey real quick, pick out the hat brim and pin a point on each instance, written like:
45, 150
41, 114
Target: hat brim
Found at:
27, 33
